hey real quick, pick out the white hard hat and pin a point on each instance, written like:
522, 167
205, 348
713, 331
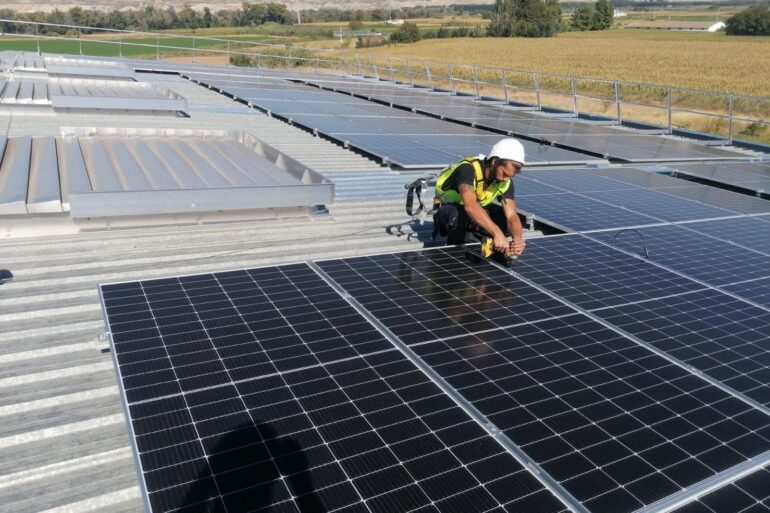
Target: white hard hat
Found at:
509, 149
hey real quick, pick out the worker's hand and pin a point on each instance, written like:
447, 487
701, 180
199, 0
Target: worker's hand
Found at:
500, 243
517, 246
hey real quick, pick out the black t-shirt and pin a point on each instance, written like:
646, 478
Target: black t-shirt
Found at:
466, 174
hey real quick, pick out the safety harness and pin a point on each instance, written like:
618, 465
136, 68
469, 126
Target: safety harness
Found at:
485, 196
416, 189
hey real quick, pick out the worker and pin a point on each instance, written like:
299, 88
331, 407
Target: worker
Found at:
466, 192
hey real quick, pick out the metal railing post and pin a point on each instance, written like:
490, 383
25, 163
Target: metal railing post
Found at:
409, 72
358, 63
288, 59
157, 48
505, 85
120, 47
670, 124
193, 55
731, 106
537, 91
617, 102
37, 38
574, 97
392, 71
451, 79
80, 43
374, 68
476, 82
227, 62
427, 74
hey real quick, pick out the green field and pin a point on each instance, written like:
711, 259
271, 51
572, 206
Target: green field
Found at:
136, 46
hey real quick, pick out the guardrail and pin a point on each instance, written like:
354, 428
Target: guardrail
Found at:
725, 116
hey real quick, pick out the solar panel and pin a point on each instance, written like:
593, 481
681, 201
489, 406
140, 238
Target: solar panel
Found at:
576, 181
749, 494
696, 255
263, 388
722, 336
659, 205
640, 177
750, 176
721, 198
746, 231
592, 275
571, 212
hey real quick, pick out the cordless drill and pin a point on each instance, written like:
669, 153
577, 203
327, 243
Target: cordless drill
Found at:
488, 251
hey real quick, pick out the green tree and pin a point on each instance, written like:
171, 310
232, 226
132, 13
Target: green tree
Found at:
525, 18
406, 33
583, 17
754, 21
604, 11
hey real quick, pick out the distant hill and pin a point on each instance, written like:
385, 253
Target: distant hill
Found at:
214, 5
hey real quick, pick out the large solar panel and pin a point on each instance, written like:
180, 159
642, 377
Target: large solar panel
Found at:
749, 176
665, 207
264, 389
696, 255
722, 336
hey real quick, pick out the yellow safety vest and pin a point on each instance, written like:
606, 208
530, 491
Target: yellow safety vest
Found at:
485, 196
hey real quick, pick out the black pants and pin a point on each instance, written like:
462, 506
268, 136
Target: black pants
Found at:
455, 223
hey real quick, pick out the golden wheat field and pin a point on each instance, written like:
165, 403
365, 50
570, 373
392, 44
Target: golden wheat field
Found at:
695, 60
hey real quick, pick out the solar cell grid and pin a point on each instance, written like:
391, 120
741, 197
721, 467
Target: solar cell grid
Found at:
660, 205
182, 334
751, 176
308, 426
724, 337
577, 213
371, 429
616, 425
757, 291
577, 181
749, 494
592, 275
696, 255
424, 296
748, 232
729, 200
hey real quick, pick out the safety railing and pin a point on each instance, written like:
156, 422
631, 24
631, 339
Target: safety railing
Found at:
726, 116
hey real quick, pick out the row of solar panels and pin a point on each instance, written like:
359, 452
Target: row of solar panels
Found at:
266, 387
114, 174
355, 120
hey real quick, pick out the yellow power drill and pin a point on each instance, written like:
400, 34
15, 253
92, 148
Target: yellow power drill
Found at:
488, 251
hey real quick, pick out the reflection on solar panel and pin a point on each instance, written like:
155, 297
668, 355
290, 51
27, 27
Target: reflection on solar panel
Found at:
659, 205
603, 142
696, 255
749, 176
749, 494
265, 389
717, 334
